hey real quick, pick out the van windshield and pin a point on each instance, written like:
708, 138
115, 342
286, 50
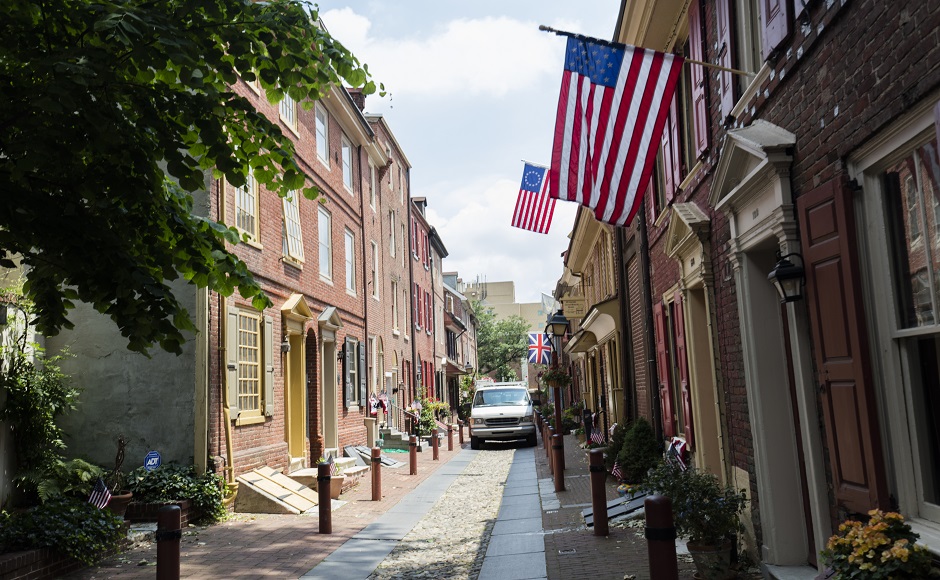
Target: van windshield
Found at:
498, 397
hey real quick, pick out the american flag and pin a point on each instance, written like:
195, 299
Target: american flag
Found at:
334, 469
616, 471
613, 105
597, 437
534, 207
100, 495
540, 349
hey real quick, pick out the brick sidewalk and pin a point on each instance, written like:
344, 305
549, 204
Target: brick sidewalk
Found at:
571, 549
273, 546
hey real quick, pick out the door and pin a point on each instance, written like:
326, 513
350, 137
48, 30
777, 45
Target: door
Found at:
833, 297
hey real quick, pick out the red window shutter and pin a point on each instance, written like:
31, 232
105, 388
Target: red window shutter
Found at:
776, 16
725, 51
670, 141
417, 311
682, 361
662, 366
699, 79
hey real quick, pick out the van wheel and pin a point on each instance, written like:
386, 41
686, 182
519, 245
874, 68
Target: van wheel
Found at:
532, 441
474, 442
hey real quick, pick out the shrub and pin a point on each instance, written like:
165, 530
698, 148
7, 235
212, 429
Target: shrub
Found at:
74, 478
885, 547
173, 482
639, 452
76, 528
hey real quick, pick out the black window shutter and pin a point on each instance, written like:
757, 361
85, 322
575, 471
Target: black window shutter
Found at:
362, 373
348, 361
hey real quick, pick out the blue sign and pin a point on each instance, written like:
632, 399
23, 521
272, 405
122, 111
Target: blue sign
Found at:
152, 461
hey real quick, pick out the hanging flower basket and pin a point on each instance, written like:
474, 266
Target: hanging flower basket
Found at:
556, 378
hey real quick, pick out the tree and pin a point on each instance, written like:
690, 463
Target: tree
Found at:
499, 342
113, 113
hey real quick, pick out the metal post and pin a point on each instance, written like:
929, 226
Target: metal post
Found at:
450, 436
413, 454
660, 538
460, 430
558, 427
557, 449
376, 474
598, 492
323, 496
168, 542
435, 444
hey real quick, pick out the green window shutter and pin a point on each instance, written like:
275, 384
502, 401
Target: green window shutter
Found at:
231, 360
268, 366
362, 373
349, 362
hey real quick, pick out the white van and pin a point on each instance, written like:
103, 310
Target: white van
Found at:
502, 411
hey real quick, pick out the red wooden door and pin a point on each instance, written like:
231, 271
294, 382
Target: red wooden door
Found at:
682, 363
663, 369
841, 348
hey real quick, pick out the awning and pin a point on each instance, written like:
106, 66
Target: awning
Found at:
452, 369
582, 341
601, 319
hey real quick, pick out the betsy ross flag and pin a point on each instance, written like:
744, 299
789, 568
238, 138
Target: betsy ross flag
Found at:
100, 495
540, 349
534, 207
613, 105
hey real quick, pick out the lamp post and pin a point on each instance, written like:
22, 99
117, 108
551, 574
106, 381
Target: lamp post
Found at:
557, 326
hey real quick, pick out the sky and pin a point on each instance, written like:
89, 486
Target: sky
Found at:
473, 89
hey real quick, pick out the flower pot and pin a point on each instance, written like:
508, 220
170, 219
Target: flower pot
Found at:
119, 502
711, 562
336, 485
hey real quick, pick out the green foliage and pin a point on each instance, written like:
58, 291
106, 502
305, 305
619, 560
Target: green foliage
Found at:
73, 527
705, 511
639, 452
38, 393
74, 479
499, 342
114, 114
557, 377
173, 482
571, 417
883, 548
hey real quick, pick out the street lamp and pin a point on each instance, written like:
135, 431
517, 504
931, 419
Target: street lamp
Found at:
558, 326
788, 278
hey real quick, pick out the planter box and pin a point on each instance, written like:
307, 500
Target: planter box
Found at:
36, 564
147, 512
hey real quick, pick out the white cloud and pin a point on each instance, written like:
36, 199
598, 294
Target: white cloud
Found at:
471, 57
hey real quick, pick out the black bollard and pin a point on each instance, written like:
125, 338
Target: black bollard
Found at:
323, 495
168, 542
660, 538
435, 445
598, 492
413, 454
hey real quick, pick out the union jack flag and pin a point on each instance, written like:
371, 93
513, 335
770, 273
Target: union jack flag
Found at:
540, 349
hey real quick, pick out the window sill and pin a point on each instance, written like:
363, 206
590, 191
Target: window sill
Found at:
690, 177
249, 420
252, 243
396, 332
353, 407
288, 125
351, 292
426, 269
376, 298
407, 338
299, 264
929, 533
326, 280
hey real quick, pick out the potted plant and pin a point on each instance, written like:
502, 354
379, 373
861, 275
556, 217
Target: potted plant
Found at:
706, 513
579, 433
885, 547
556, 378
120, 496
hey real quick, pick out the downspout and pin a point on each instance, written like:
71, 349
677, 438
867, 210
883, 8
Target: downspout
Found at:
651, 371
223, 318
626, 362
411, 288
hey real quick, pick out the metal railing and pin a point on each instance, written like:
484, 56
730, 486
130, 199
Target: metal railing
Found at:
400, 419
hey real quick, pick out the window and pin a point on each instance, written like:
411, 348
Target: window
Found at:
347, 164
375, 270
428, 313
417, 307
427, 251
350, 262
395, 305
288, 109
246, 207
372, 185
249, 357
404, 301
249, 364
323, 134
325, 237
403, 241
354, 372
401, 186
391, 233
293, 241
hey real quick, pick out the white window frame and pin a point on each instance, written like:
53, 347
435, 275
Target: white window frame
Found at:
401, 186
293, 234
892, 371
347, 160
250, 359
350, 259
395, 326
288, 112
372, 184
391, 233
322, 134
375, 270
245, 195
325, 243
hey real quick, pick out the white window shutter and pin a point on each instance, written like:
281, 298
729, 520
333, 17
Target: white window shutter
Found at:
268, 366
231, 360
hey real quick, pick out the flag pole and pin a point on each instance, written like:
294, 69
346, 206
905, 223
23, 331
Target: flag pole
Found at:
544, 28
534, 164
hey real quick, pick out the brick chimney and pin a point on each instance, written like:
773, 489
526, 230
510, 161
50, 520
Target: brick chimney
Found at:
358, 98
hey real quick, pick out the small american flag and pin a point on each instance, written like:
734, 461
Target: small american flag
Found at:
616, 471
597, 437
100, 495
334, 469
